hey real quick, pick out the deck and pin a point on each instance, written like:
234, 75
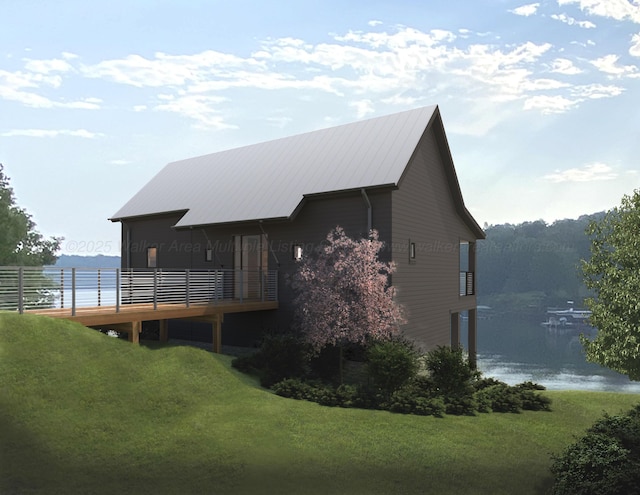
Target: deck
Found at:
122, 299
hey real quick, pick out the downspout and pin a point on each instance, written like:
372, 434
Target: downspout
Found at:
128, 247
368, 203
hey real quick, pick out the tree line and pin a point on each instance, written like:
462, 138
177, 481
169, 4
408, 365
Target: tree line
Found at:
533, 265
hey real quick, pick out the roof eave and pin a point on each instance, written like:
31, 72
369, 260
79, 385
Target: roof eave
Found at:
147, 215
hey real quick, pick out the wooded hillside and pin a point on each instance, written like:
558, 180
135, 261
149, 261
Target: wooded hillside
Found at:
533, 265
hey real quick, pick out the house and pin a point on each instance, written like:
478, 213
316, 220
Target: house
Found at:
262, 206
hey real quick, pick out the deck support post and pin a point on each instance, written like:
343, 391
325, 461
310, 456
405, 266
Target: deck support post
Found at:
217, 333
473, 352
164, 330
134, 332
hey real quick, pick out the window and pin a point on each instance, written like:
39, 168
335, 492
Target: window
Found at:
208, 254
297, 252
412, 252
152, 257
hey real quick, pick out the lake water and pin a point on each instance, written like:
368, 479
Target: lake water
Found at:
518, 350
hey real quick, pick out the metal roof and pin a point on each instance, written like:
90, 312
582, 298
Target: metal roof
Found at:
269, 180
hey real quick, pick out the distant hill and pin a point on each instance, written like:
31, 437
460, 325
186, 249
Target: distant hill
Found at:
533, 265
99, 261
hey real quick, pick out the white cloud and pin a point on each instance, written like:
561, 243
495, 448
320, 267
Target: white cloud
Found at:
22, 87
363, 107
526, 10
399, 67
82, 133
607, 64
120, 162
619, 10
203, 109
564, 66
571, 21
549, 104
374, 23
166, 70
588, 173
635, 45
596, 91
352, 65
47, 66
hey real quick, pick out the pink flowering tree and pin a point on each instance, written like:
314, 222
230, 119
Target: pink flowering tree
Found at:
343, 293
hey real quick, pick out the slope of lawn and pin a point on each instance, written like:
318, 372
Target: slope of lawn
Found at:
81, 412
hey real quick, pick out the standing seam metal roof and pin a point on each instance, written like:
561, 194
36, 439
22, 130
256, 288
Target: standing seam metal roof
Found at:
269, 180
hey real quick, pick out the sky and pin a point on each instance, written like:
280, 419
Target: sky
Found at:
540, 101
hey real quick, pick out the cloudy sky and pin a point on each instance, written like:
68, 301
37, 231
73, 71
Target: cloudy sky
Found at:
540, 101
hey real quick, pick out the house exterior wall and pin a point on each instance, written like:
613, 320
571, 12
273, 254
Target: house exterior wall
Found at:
180, 249
424, 213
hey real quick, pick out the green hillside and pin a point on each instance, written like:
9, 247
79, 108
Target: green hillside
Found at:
81, 412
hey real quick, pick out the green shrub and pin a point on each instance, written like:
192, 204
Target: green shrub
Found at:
461, 405
406, 401
391, 364
453, 378
450, 372
532, 401
293, 388
606, 460
348, 396
530, 386
501, 397
482, 383
324, 395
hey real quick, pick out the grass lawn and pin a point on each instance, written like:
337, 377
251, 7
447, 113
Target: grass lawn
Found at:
81, 412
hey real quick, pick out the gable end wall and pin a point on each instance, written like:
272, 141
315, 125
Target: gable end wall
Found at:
424, 212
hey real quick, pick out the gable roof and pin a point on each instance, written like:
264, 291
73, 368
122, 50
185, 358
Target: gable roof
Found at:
269, 180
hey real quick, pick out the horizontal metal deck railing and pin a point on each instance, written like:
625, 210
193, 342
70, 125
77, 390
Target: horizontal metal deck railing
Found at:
467, 284
32, 288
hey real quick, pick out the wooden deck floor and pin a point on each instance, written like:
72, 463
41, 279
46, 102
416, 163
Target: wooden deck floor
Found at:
129, 317
105, 315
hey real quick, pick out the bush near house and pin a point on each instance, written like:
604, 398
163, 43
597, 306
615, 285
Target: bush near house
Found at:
394, 381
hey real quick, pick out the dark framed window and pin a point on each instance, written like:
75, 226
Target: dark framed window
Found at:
412, 252
152, 257
208, 254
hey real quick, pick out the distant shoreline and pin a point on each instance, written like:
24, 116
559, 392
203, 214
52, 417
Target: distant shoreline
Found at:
97, 261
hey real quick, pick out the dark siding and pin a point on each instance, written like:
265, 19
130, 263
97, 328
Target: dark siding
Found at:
186, 249
424, 212
175, 248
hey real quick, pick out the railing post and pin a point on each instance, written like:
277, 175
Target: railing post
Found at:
262, 284
73, 292
155, 289
275, 296
99, 289
21, 290
241, 285
188, 281
117, 290
61, 288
